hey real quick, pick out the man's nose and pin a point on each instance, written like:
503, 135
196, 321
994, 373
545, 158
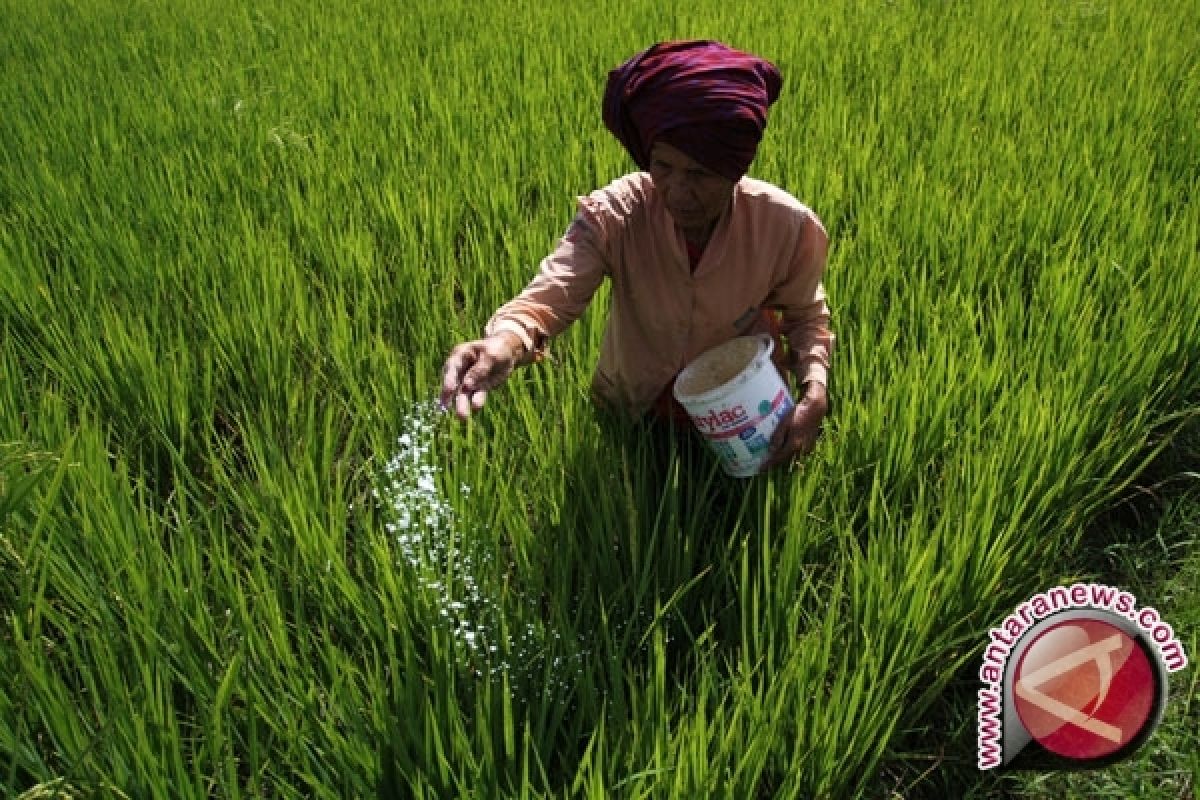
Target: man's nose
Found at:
681, 184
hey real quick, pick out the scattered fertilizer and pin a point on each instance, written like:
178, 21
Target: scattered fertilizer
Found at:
451, 569
423, 522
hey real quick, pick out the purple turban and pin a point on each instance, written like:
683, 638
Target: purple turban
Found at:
702, 97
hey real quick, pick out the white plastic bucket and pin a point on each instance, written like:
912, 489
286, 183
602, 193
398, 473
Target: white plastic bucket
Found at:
736, 398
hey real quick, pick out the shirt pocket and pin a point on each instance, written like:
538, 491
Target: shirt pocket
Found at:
744, 323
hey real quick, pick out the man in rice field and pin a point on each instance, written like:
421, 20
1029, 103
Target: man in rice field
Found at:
697, 252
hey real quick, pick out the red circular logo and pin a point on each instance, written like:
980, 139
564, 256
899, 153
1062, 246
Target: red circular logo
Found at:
1084, 689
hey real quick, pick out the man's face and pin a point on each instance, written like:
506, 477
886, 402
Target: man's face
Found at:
694, 195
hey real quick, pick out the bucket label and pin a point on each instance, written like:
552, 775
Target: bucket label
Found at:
739, 439
734, 421
718, 420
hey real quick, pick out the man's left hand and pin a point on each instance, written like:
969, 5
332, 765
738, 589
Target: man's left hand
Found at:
797, 433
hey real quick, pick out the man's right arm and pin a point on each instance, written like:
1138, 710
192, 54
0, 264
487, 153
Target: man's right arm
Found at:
517, 333
560, 292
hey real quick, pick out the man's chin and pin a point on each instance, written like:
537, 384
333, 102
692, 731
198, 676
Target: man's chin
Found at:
689, 222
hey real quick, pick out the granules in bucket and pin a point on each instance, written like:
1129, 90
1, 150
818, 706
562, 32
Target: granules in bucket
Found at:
717, 366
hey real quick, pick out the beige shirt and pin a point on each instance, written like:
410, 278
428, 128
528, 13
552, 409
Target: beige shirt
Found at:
767, 251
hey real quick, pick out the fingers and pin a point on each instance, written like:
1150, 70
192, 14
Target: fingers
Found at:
795, 435
460, 360
779, 453
466, 402
470, 372
780, 434
779, 447
484, 375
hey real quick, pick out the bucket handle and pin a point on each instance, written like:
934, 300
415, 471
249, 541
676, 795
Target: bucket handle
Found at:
766, 347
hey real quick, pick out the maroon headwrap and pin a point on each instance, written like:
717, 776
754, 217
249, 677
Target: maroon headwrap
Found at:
704, 98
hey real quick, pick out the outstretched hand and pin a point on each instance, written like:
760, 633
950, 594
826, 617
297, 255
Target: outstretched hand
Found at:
797, 433
475, 368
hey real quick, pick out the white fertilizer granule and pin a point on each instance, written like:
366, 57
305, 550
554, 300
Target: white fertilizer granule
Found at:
451, 569
426, 534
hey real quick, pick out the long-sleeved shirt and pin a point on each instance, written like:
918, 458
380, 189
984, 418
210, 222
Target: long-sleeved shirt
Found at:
767, 251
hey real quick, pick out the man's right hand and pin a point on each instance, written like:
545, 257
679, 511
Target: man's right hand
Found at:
475, 368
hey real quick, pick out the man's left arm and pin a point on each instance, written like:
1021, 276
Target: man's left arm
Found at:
800, 295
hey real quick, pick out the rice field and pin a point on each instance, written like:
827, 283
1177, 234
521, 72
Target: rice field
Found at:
243, 555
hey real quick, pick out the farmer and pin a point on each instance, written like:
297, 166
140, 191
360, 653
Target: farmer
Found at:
697, 252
